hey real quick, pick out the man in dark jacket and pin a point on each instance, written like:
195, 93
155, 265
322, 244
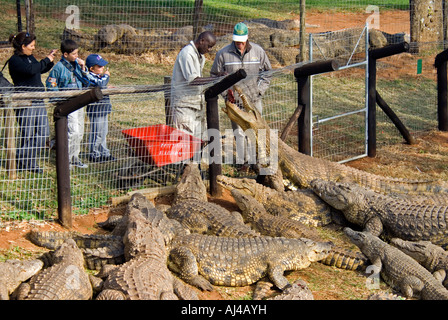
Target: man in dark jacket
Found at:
253, 59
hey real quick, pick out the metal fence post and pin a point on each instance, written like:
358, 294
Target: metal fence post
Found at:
62, 110
374, 55
211, 98
303, 111
442, 91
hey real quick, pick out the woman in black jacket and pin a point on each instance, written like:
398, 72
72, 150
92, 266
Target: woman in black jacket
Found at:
25, 73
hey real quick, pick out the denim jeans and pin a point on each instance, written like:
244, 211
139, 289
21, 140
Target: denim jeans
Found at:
34, 131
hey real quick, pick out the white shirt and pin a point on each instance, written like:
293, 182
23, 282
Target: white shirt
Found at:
188, 66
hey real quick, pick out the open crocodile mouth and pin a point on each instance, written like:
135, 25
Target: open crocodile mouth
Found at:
244, 117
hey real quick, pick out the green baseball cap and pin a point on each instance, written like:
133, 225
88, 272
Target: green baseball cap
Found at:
240, 32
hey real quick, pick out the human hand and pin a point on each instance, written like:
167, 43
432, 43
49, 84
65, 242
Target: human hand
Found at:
51, 55
230, 96
107, 72
81, 63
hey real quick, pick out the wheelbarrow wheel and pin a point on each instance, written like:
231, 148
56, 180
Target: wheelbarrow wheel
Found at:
131, 175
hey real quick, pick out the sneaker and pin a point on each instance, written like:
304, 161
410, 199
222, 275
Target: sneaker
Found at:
79, 164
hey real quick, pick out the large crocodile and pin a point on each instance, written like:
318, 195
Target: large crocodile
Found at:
377, 213
301, 169
66, 279
209, 218
302, 205
276, 226
192, 209
429, 255
190, 185
14, 272
203, 260
398, 269
145, 275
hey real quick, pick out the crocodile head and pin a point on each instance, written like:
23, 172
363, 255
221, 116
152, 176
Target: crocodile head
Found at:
347, 197
423, 251
249, 118
369, 244
69, 251
26, 268
247, 204
244, 185
318, 250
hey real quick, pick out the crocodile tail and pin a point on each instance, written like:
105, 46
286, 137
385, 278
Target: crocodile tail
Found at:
49, 239
345, 259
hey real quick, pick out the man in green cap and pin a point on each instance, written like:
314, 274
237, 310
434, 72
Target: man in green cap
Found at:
253, 59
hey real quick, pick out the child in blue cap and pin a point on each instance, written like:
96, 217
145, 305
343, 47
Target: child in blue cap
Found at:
98, 111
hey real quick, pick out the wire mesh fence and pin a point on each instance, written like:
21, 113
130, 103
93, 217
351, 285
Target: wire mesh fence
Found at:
131, 29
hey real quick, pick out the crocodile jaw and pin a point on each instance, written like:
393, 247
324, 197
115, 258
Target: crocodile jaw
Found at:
27, 269
244, 185
318, 250
358, 238
420, 251
249, 118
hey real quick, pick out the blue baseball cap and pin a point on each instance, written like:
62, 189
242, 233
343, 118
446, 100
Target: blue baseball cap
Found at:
95, 59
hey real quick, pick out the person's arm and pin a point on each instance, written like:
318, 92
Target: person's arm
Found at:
47, 63
264, 80
18, 65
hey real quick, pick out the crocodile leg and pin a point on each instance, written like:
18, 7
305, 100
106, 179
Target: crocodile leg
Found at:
411, 284
3, 292
374, 226
183, 262
110, 294
275, 273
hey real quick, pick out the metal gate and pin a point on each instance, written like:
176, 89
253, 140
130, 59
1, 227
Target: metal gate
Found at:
338, 100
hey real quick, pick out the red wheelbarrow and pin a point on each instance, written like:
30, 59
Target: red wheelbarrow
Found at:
157, 152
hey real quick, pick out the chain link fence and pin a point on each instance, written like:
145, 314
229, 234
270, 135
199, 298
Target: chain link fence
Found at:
132, 29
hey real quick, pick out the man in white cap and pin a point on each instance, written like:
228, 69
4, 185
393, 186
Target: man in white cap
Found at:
242, 54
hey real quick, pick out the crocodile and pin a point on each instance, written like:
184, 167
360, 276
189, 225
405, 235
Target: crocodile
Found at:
66, 279
429, 255
204, 260
98, 249
14, 272
297, 291
119, 224
377, 213
190, 185
53, 239
192, 210
398, 269
277, 226
301, 169
145, 275
385, 296
302, 205
209, 218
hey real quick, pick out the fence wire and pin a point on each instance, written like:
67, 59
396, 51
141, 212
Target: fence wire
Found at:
131, 29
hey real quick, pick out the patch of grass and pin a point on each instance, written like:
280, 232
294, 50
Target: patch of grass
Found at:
16, 252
